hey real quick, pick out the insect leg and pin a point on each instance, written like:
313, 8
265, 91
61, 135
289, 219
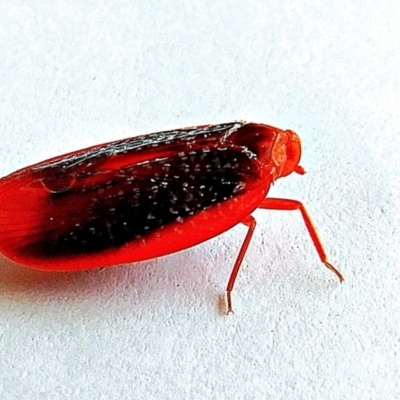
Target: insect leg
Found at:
250, 222
286, 204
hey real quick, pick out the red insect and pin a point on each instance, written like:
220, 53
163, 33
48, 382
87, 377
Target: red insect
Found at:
147, 196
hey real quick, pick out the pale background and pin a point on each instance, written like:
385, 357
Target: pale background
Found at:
74, 75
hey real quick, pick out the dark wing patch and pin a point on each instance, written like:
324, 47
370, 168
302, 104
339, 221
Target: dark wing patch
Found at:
168, 140
109, 209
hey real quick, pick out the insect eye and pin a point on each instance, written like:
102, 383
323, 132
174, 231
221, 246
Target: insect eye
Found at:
293, 155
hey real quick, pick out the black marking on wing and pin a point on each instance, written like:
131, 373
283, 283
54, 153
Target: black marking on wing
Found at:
110, 209
139, 143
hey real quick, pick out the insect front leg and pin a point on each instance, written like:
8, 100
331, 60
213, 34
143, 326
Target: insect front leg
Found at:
286, 204
251, 223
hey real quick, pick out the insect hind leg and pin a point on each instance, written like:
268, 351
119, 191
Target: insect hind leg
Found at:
290, 205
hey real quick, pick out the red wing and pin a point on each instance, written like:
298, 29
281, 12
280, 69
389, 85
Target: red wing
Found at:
110, 195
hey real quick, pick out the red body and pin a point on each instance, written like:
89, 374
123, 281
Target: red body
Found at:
140, 198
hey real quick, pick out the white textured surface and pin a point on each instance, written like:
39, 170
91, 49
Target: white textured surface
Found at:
74, 75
